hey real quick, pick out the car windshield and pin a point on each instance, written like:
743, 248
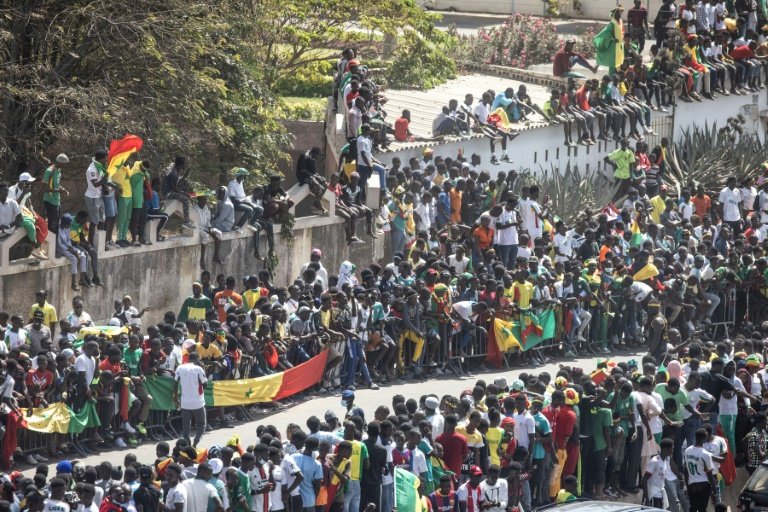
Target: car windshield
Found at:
758, 482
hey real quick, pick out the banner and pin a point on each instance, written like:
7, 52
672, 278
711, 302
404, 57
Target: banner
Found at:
59, 418
222, 393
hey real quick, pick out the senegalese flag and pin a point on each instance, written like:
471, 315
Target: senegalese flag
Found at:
645, 273
120, 150
505, 338
265, 389
333, 486
61, 419
529, 325
637, 237
407, 491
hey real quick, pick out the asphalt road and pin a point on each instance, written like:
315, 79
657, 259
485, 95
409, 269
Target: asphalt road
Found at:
301, 409
469, 24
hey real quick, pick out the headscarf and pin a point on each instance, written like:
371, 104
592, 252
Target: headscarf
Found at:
347, 274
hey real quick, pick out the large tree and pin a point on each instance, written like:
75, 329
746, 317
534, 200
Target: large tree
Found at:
171, 71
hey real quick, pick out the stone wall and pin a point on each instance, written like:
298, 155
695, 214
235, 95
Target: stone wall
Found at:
161, 275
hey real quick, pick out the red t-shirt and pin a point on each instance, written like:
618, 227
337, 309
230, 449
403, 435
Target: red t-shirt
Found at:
742, 52
42, 379
455, 450
401, 129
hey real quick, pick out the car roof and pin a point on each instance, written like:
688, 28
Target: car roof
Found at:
599, 506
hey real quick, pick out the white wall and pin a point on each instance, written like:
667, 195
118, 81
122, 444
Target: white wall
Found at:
543, 147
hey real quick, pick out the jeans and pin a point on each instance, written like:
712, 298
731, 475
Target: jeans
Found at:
365, 172
688, 431
387, 496
508, 255
354, 359
631, 465
186, 423
678, 500
352, 496
52, 214
398, 240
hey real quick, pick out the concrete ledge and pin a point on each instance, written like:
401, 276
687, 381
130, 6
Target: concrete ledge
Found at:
17, 236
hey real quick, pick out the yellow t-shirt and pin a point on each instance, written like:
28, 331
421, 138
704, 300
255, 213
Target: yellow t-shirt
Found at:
494, 437
122, 178
212, 352
474, 440
659, 204
523, 292
48, 310
357, 459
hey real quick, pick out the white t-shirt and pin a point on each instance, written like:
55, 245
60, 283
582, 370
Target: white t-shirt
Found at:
86, 364
507, 236
471, 496
176, 494
730, 200
694, 397
52, 505
276, 494
697, 462
418, 462
290, 469
524, 426
458, 266
130, 316
92, 174
388, 478
438, 424
496, 492
481, 112
564, 247
236, 190
729, 406
199, 492
717, 447
191, 379
529, 212
424, 212
657, 468
93, 507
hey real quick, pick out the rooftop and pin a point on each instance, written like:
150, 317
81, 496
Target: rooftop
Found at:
426, 105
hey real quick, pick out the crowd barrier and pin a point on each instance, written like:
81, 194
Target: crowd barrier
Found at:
451, 348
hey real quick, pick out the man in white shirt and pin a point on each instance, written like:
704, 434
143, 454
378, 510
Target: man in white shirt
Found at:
189, 395
176, 495
236, 193
10, 213
729, 198
93, 193
494, 491
506, 233
655, 475
699, 473
525, 425
200, 492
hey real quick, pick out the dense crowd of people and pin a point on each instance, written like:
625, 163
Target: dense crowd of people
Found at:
680, 279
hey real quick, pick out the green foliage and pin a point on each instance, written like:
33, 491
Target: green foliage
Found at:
82, 73
314, 81
302, 109
419, 63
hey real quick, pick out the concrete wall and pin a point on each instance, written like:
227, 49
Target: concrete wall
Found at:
543, 147
590, 9
161, 275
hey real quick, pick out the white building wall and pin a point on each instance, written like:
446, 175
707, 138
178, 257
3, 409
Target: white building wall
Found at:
590, 9
543, 147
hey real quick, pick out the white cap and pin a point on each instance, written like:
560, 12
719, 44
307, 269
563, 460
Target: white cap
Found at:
62, 159
431, 402
115, 322
216, 466
25, 176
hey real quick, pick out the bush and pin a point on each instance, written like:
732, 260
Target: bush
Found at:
520, 42
420, 64
315, 80
304, 109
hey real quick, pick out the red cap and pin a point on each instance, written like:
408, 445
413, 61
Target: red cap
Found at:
507, 421
475, 470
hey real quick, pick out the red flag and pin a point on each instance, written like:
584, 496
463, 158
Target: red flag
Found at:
120, 150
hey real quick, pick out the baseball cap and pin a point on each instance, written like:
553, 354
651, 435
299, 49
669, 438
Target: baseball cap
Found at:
317, 252
65, 466
507, 421
475, 470
25, 176
518, 385
347, 394
330, 415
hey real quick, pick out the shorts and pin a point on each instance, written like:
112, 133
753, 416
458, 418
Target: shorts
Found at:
205, 237
110, 206
95, 206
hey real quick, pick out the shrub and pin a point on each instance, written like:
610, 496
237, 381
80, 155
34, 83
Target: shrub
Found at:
315, 80
521, 41
420, 64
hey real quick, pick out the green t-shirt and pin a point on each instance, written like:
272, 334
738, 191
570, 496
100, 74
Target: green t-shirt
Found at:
623, 158
52, 179
624, 406
132, 357
680, 397
137, 189
195, 309
601, 417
